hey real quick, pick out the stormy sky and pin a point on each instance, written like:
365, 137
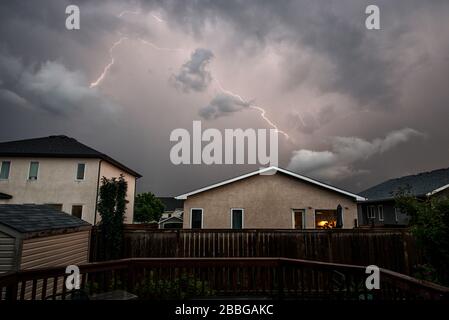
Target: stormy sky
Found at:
359, 106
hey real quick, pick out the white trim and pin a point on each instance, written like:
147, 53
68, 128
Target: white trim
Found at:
202, 217
263, 171
378, 212
431, 193
243, 216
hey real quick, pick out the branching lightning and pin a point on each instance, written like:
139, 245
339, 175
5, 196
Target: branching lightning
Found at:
158, 19
109, 65
262, 110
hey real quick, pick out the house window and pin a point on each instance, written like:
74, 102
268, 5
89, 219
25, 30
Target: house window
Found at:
196, 219
4, 170
397, 212
298, 219
34, 169
372, 212
325, 219
56, 206
237, 218
80, 170
380, 210
77, 211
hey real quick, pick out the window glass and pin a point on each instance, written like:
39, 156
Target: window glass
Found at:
197, 218
237, 218
381, 213
77, 211
34, 169
4, 170
325, 219
80, 171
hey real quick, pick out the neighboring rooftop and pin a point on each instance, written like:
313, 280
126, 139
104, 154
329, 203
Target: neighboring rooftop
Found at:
26, 218
421, 184
171, 204
56, 147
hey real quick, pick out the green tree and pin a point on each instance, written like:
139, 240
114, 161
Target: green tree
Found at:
147, 208
112, 206
429, 221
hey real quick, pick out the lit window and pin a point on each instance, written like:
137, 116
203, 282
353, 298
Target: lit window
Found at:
237, 218
197, 219
4, 170
81, 168
34, 169
325, 219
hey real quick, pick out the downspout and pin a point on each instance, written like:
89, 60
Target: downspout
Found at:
96, 196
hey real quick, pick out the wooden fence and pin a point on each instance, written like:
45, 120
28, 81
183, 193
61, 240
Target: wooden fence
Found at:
392, 249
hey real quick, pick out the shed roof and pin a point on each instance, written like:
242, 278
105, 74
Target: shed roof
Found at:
27, 218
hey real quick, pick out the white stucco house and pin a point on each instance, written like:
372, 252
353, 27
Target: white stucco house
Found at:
61, 172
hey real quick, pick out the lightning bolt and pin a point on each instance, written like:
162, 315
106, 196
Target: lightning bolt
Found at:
262, 110
109, 65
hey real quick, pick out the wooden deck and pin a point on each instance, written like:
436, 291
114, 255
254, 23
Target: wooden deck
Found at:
199, 278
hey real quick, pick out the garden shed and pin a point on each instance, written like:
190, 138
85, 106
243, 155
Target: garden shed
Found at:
38, 236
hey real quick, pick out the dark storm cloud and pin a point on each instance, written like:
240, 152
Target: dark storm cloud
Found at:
399, 74
194, 74
221, 105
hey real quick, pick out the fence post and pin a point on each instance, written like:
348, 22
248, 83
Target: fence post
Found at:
405, 248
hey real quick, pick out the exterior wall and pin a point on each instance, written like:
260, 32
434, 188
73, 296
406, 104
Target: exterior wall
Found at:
268, 201
57, 250
109, 171
389, 214
7, 252
56, 183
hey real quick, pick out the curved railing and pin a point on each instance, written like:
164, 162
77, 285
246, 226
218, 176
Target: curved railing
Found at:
191, 278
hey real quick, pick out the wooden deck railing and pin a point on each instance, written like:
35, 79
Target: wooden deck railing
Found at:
189, 278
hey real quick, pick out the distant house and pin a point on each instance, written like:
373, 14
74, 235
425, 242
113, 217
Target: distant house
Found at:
270, 198
60, 172
38, 236
379, 208
172, 218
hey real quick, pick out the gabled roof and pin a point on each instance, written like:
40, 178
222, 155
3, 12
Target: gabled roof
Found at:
267, 171
56, 147
422, 184
171, 204
26, 218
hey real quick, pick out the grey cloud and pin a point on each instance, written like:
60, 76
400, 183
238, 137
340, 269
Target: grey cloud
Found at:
345, 152
221, 105
49, 86
194, 74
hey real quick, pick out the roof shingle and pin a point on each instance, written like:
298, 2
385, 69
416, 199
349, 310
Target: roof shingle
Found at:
26, 218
